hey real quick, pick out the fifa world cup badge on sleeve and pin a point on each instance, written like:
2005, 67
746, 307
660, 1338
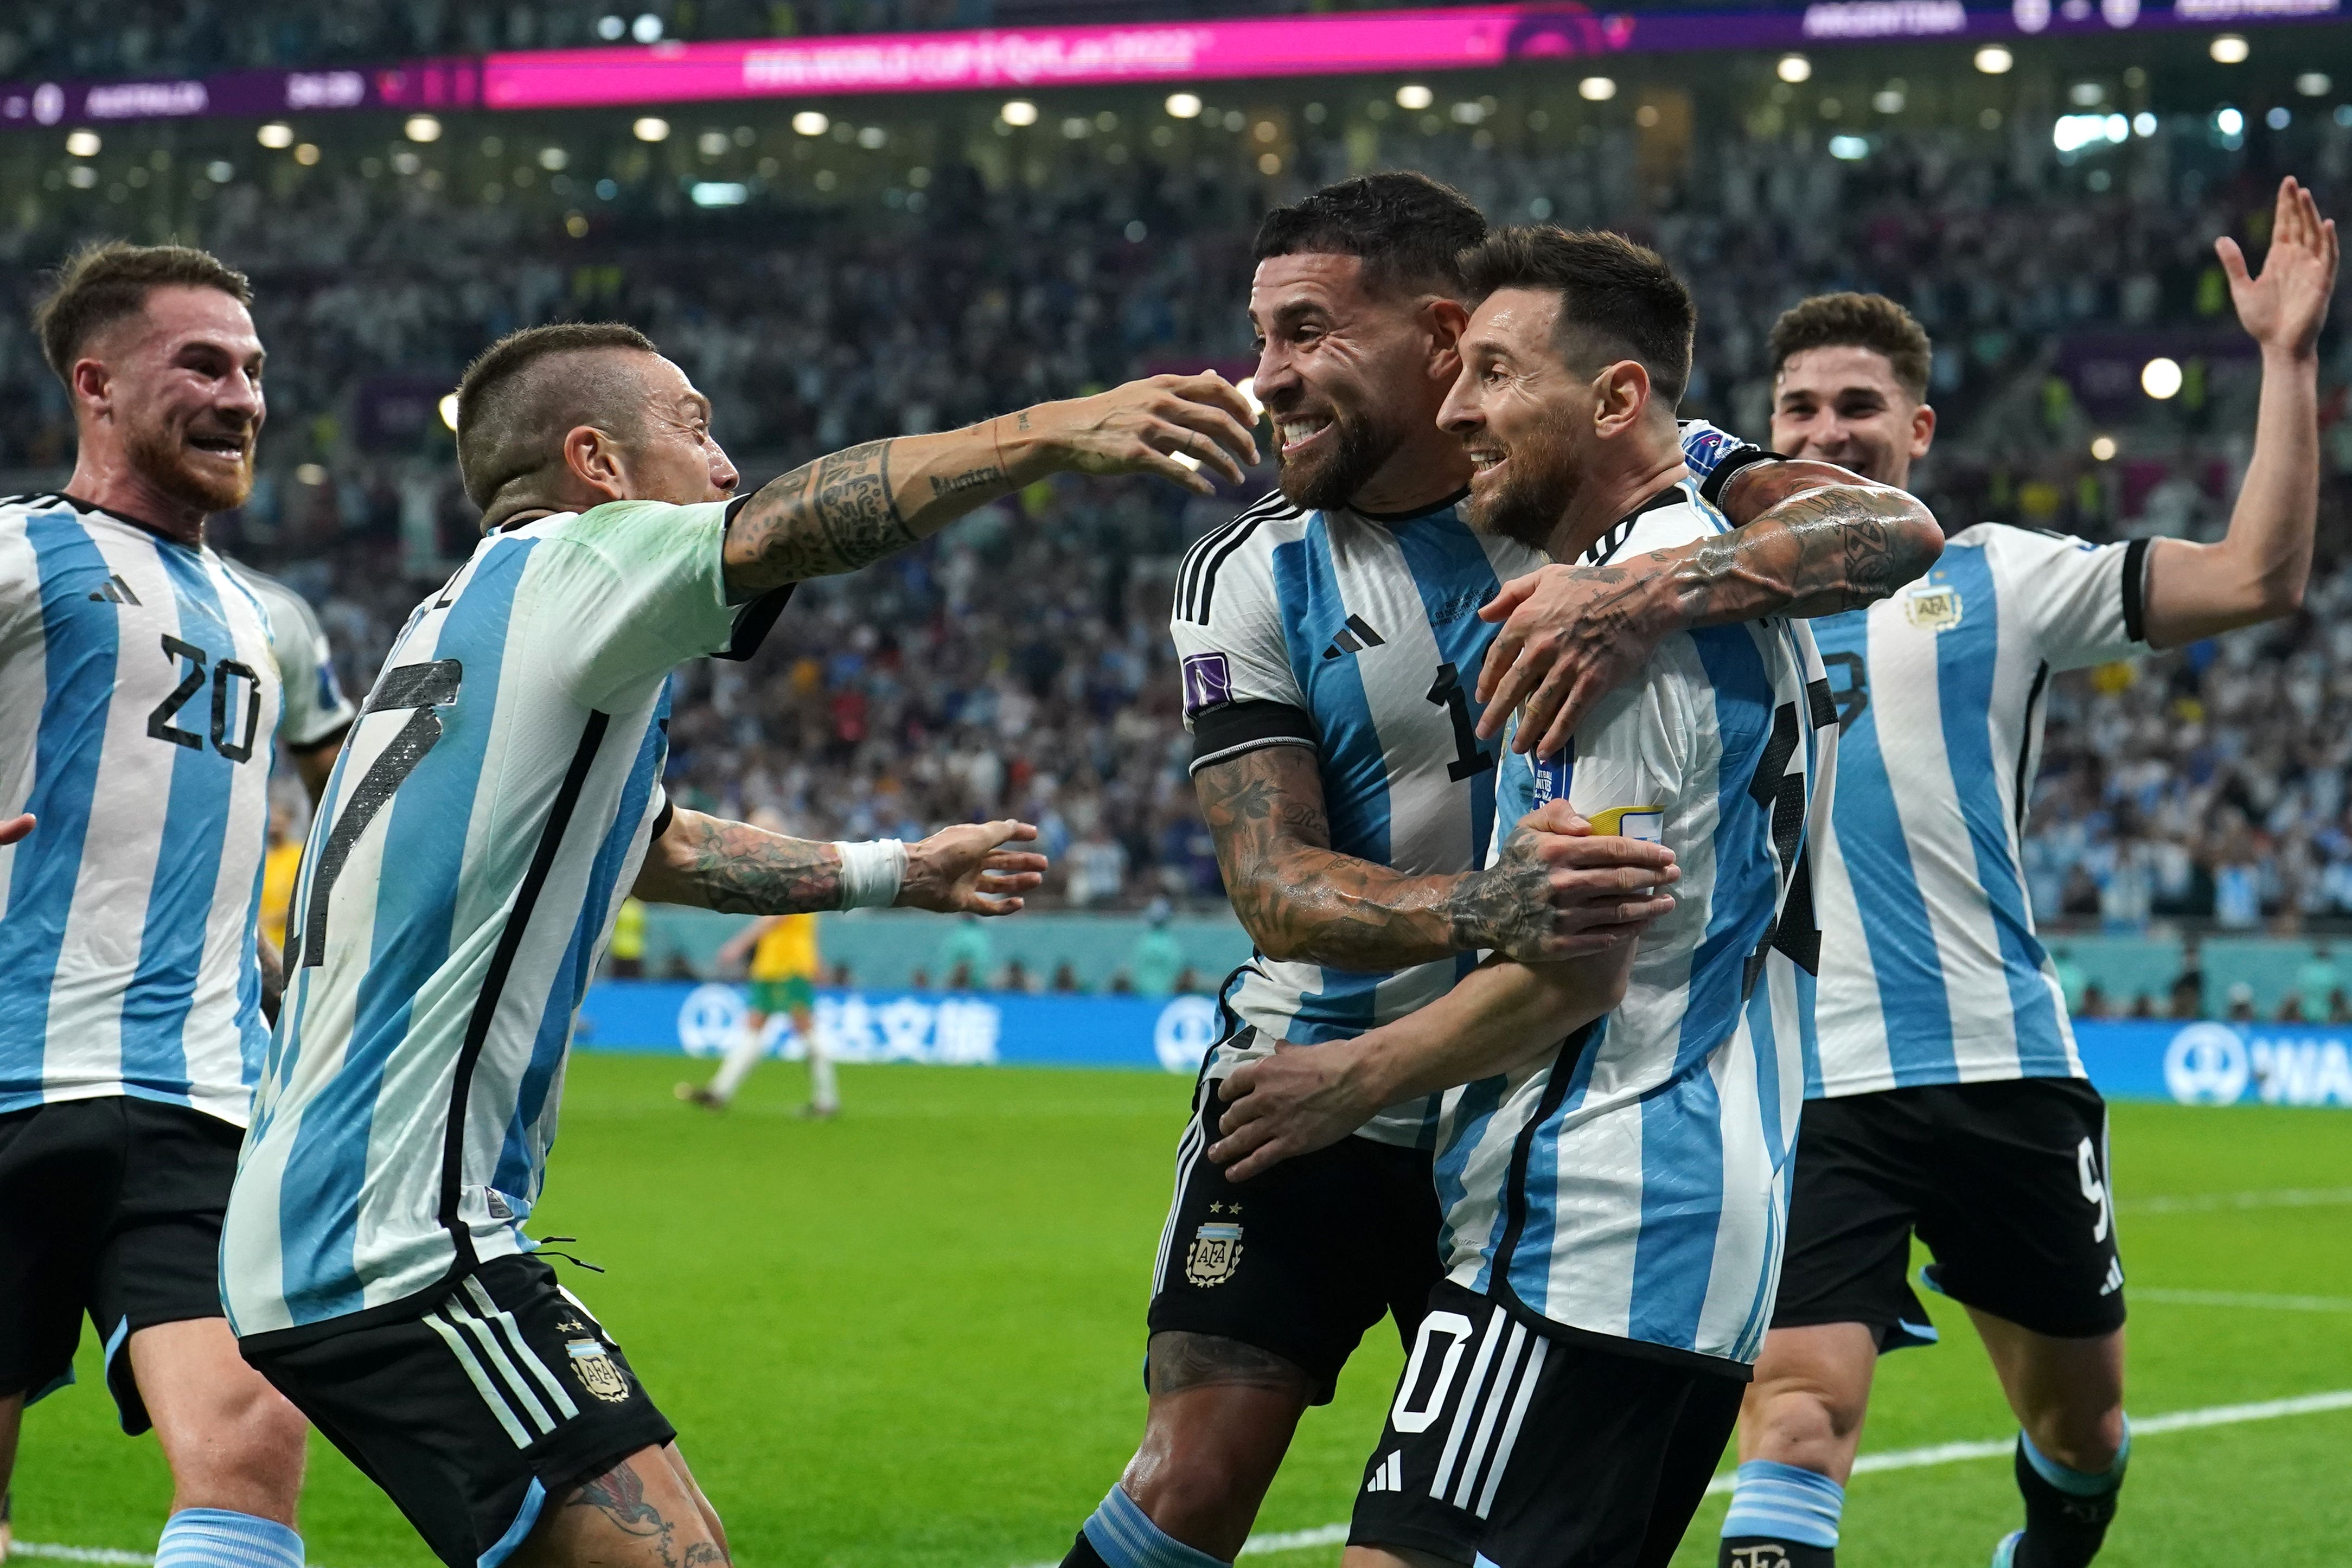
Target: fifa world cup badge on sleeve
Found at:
1208, 683
596, 1371
1215, 1252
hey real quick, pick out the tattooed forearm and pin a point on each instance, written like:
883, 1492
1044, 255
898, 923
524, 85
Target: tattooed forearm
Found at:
1178, 1361
1816, 540
738, 869
835, 515
971, 479
1506, 908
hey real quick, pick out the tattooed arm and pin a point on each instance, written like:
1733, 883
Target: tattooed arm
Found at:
1502, 1017
847, 510
1816, 539
1551, 894
739, 868
272, 965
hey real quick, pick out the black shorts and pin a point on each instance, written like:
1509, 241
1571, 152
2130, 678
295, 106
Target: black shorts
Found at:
475, 1415
2005, 1182
1510, 1446
1301, 1261
110, 1207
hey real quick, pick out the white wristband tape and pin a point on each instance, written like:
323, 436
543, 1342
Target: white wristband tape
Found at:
871, 873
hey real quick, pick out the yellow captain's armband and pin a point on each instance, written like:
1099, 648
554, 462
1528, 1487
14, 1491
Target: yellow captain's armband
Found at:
1647, 823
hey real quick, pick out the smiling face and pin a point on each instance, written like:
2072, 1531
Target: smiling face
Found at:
1347, 372
1842, 403
178, 386
1518, 410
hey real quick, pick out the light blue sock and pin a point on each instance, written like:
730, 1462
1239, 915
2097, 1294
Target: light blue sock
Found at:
2079, 1483
1783, 1502
1124, 1536
223, 1538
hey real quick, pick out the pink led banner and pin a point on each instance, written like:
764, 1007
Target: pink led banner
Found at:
1052, 57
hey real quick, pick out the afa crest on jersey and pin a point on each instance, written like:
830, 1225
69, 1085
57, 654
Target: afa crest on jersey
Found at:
597, 1371
1932, 606
1215, 1253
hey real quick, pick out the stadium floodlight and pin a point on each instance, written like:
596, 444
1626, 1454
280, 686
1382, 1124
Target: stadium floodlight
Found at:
422, 128
711, 143
82, 143
646, 28
1018, 111
719, 193
1414, 97
1994, 60
1597, 90
873, 138
1076, 128
2228, 122
306, 154
81, 176
1888, 101
2314, 84
2278, 117
2087, 94
652, 128
1182, 105
1247, 387
810, 122
2229, 48
1849, 148
310, 473
2161, 378
2143, 123
1793, 68
611, 28
450, 411
553, 158
277, 136
2103, 449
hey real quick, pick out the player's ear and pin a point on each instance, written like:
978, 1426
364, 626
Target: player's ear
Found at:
595, 462
1622, 397
1444, 320
1923, 430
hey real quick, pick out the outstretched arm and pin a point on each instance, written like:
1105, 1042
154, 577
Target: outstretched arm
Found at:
1814, 540
1501, 1017
1548, 896
2257, 571
712, 863
852, 509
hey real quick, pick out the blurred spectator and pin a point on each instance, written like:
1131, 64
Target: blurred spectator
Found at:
1157, 960
966, 954
625, 956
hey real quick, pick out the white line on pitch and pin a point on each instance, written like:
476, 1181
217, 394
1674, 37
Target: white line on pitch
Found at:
1939, 1454
2215, 1202
2241, 1299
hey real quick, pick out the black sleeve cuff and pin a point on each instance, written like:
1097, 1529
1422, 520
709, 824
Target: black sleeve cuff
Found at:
1232, 729
661, 823
757, 618
2135, 590
1710, 489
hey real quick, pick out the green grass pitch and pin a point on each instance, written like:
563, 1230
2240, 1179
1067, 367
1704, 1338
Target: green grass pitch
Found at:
910, 1339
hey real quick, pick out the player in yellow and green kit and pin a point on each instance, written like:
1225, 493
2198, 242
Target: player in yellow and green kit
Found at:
783, 973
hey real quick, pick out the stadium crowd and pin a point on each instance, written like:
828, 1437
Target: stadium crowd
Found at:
1020, 664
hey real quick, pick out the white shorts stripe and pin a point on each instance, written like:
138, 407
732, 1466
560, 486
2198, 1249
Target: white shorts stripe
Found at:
513, 1333
1490, 1409
1188, 1151
499, 1362
1528, 1378
1462, 1411
479, 1378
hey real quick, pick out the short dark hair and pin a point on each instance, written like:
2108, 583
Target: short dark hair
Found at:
1621, 297
1870, 321
1409, 231
512, 416
107, 280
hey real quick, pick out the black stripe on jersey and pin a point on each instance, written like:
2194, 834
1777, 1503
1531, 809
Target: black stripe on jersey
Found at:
1514, 1185
485, 1004
1602, 549
1196, 585
2135, 590
2025, 743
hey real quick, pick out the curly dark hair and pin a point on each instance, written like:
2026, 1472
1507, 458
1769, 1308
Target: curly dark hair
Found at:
107, 280
1870, 321
1409, 230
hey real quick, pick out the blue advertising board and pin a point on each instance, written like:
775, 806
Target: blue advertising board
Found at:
2193, 1063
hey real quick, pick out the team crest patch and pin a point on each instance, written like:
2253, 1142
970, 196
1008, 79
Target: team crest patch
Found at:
598, 1372
1932, 606
1215, 1253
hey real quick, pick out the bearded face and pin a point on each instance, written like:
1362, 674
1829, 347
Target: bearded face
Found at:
200, 456
1330, 450
183, 389
1520, 484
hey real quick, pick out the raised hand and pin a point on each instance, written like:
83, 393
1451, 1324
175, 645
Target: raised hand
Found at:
1144, 427
2284, 307
966, 869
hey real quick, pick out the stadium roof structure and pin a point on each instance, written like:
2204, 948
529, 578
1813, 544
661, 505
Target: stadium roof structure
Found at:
1132, 54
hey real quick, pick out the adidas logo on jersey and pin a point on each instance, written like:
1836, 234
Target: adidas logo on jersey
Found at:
2114, 1277
115, 590
1389, 1474
1354, 638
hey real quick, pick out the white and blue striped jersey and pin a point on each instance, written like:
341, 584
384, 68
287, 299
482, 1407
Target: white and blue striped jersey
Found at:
1358, 637
1636, 1185
137, 695
316, 709
487, 815
1931, 972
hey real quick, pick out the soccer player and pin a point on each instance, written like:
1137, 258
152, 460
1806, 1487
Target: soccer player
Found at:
497, 799
1328, 637
138, 694
784, 972
1950, 1101
1613, 1199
